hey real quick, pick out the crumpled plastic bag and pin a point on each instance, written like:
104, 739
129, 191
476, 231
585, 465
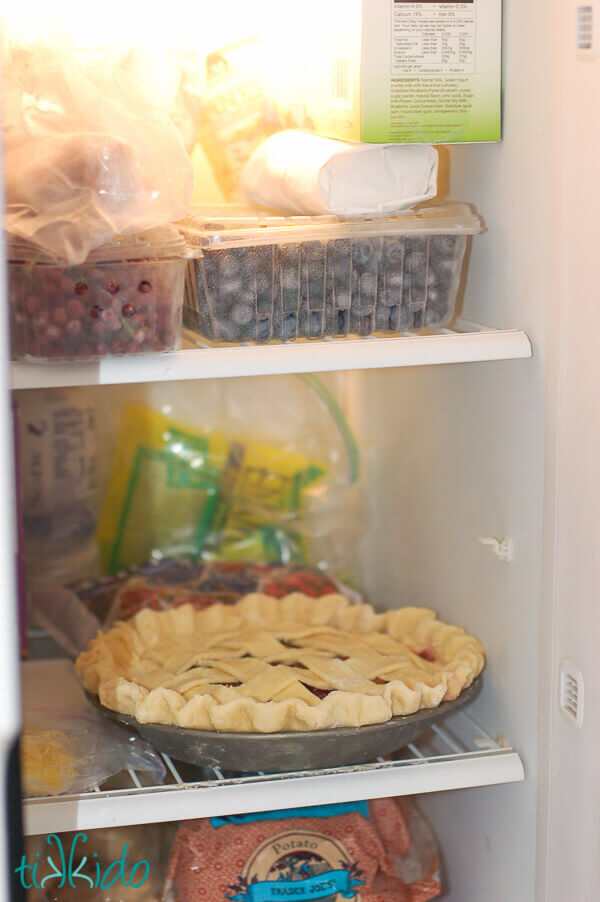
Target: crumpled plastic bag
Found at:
88, 154
70, 750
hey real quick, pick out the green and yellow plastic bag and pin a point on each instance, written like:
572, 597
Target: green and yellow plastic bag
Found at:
175, 490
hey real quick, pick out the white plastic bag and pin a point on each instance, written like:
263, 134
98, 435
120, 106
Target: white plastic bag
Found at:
297, 173
88, 155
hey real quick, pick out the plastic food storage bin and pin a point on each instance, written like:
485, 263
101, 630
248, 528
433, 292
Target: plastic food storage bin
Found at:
126, 298
262, 278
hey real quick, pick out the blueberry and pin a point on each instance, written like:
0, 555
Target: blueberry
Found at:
394, 251
362, 251
242, 315
289, 327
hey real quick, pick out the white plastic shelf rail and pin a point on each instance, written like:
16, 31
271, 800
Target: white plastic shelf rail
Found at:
455, 755
465, 342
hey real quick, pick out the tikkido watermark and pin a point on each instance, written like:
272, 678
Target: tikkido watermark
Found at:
67, 870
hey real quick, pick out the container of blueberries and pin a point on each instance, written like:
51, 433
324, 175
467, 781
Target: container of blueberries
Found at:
127, 298
257, 277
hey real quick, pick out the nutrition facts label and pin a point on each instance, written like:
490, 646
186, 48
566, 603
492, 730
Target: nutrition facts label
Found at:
433, 36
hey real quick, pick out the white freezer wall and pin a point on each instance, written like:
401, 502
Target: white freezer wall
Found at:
459, 453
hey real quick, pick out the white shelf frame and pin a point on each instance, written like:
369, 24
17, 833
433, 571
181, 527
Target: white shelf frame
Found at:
465, 342
456, 755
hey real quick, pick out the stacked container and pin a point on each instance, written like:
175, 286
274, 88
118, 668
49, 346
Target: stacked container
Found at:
258, 278
125, 299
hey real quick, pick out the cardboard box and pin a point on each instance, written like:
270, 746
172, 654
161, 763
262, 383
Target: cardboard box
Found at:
404, 72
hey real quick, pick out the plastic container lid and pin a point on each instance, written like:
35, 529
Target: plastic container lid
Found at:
214, 227
163, 242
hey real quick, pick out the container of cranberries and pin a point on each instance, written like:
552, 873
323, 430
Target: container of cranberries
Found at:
125, 299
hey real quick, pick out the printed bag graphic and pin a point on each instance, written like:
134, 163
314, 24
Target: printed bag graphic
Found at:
298, 865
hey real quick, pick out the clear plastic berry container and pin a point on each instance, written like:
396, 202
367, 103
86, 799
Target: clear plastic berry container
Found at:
125, 299
260, 278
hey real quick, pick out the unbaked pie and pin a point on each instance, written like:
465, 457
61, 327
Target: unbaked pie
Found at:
265, 665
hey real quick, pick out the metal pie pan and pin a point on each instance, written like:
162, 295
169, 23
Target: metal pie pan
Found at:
283, 752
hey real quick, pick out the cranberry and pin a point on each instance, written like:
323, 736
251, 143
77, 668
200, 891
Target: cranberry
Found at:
112, 286
101, 349
139, 336
32, 304
53, 333
118, 346
85, 350
59, 316
75, 309
427, 654
73, 327
107, 316
95, 311
320, 693
144, 287
81, 289
128, 310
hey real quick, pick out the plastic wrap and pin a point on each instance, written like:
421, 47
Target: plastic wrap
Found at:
68, 750
87, 155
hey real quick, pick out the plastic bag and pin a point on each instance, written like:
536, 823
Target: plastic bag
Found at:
347, 850
262, 469
73, 615
70, 750
88, 155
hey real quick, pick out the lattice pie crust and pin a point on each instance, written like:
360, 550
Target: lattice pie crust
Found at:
266, 665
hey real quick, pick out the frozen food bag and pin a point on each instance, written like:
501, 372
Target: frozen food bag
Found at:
74, 614
73, 750
88, 155
297, 173
175, 490
331, 852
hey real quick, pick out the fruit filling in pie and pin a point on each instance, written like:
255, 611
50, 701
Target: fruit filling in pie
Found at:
266, 665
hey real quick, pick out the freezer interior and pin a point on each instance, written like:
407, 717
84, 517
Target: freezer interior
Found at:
454, 454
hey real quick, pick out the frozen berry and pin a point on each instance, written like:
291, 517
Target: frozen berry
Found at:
59, 316
73, 327
101, 349
53, 333
75, 309
145, 287
128, 310
140, 336
81, 289
95, 311
32, 305
112, 286
118, 346
108, 316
